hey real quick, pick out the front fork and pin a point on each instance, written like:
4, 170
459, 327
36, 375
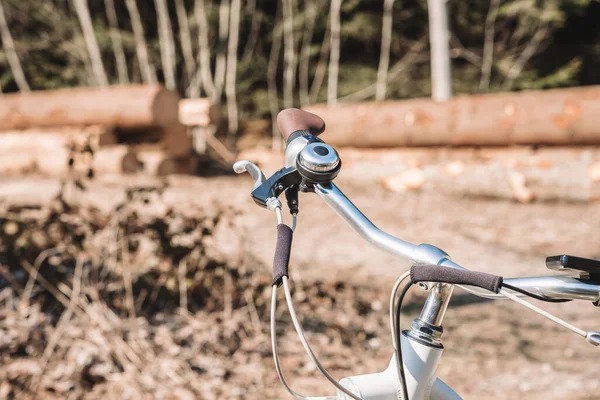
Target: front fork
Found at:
421, 351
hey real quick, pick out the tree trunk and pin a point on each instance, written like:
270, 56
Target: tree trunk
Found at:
186, 47
146, 67
384, 58
83, 13
127, 107
166, 42
556, 117
439, 38
488, 46
117, 43
321, 69
176, 141
232, 47
31, 151
11, 53
198, 112
204, 49
115, 160
254, 31
334, 57
272, 80
221, 54
310, 14
288, 51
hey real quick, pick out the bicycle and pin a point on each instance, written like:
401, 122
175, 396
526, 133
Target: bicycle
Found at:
310, 166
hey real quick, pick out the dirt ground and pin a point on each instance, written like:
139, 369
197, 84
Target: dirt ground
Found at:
493, 349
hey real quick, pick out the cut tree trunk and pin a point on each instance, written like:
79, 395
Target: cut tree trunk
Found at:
198, 112
155, 162
176, 142
524, 174
556, 117
34, 153
115, 160
128, 107
48, 151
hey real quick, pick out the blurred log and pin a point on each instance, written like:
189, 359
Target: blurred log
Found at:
156, 163
131, 106
34, 151
176, 141
115, 159
571, 181
557, 117
198, 112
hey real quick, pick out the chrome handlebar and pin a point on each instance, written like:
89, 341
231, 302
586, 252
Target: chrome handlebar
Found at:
552, 287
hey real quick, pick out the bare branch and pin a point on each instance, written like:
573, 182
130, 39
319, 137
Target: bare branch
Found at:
310, 13
232, 46
288, 54
334, 58
186, 47
204, 48
146, 67
221, 62
257, 17
488, 46
272, 80
83, 13
384, 57
166, 42
117, 43
321, 69
515, 70
396, 69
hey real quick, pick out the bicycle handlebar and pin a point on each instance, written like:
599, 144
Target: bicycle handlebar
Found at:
552, 287
291, 120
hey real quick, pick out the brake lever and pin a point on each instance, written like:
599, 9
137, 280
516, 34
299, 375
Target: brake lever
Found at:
254, 170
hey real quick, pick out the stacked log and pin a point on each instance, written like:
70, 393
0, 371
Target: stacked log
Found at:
198, 112
555, 117
121, 107
118, 130
520, 174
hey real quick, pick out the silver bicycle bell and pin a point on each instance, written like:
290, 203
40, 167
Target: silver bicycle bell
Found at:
318, 162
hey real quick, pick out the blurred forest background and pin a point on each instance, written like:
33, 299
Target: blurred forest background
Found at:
258, 56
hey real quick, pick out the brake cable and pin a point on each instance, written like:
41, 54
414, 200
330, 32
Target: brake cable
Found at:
282, 257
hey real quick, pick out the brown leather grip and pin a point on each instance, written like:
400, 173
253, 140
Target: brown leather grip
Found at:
291, 120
